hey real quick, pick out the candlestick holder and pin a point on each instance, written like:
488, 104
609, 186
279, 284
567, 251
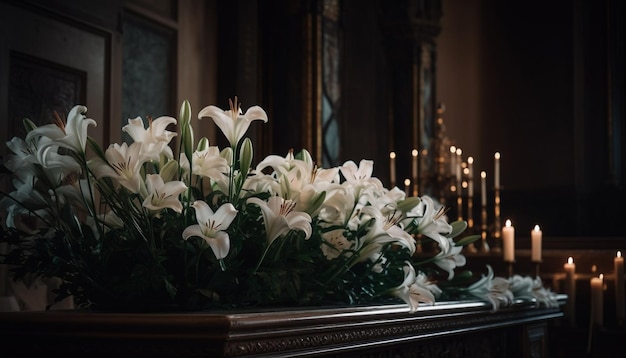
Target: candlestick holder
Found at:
497, 224
459, 205
470, 215
537, 264
484, 246
510, 268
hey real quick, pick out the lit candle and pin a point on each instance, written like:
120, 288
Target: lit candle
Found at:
535, 237
459, 164
452, 160
570, 288
407, 186
597, 300
483, 188
470, 177
496, 172
414, 153
508, 241
392, 168
618, 263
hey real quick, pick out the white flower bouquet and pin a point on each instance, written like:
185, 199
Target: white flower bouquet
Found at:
198, 227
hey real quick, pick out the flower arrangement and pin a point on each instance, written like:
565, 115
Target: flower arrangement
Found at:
198, 227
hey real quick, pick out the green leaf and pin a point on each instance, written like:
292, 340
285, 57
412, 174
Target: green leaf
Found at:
28, 125
457, 228
467, 240
408, 203
96, 148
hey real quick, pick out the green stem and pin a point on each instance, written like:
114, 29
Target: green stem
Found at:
261, 259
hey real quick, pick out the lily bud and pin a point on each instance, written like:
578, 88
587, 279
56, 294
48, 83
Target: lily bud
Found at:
227, 153
185, 113
316, 203
305, 156
245, 156
203, 144
28, 125
169, 171
186, 136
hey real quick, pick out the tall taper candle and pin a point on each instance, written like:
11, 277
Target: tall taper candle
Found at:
452, 160
535, 237
570, 288
508, 241
392, 169
470, 177
496, 170
483, 188
414, 154
597, 300
407, 187
459, 164
618, 263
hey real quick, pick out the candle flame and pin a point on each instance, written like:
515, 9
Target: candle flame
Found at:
570, 260
392, 155
452, 149
483, 174
619, 254
508, 223
459, 151
407, 182
470, 160
537, 228
414, 152
497, 155
601, 276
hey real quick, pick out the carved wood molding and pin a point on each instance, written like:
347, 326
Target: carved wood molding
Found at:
313, 331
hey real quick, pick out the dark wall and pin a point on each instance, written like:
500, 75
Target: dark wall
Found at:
549, 86
546, 98
528, 110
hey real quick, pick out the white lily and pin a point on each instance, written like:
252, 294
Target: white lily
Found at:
450, 259
411, 292
386, 229
280, 217
163, 195
543, 295
233, 122
71, 135
24, 200
123, 165
209, 163
155, 138
23, 158
432, 222
361, 177
212, 226
494, 290
335, 243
